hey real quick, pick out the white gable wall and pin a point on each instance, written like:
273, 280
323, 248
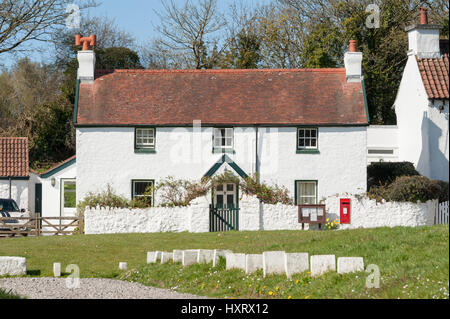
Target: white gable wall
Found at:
411, 109
438, 139
19, 191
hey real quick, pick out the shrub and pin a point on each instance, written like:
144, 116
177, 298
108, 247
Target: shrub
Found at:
107, 198
443, 194
266, 193
383, 173
174, 192
407, 189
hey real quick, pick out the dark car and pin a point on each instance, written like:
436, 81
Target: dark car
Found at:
10, 209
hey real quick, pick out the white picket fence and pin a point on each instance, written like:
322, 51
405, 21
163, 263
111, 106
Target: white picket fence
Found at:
442, 213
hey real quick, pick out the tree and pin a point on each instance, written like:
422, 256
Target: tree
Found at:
23, 21
189, 30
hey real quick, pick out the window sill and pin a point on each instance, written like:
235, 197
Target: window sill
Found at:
223, 151
144, 151
308, 152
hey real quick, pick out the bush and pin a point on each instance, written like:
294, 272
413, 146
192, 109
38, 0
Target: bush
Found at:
175, 193
443, 194
107, 198
407, 189
266, 193
384, 173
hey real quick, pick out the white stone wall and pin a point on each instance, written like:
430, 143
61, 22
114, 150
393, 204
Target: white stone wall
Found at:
382, 137
367, 213
194, 218
107, 156
20, 192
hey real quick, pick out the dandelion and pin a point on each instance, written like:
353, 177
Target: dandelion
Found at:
246, 237
289, 297
296, 282
276, 288
307, 297
270, 293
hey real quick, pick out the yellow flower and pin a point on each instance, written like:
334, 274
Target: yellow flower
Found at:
289, 297
270, 293
265, 287
276, 288
309, 273
203, 285
307, 297
296, 282
246, 237
328, 219
249, 286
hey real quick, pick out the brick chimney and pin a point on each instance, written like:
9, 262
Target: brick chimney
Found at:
424, 38
353, 61
86, 58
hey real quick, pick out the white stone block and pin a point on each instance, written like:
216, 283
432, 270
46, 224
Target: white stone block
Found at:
166, 257
273, 262
13, 266
350, 264
153, 257
321, 264
253, 262
177, 256
220, 253
123, 266
235, 261
295, 263
189, 257
205, 256
57, 269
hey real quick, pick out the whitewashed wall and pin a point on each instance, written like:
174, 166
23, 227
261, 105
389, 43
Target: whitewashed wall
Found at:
382, 137
20, 192
194, 218
106, 156
438, 134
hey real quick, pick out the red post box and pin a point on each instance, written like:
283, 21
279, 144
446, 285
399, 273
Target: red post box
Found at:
345, 211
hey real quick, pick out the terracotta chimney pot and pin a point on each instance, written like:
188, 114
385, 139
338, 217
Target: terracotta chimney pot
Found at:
353, 46
423, 16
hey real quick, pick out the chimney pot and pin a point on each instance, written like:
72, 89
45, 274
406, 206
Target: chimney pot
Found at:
353, 46
423, 16
86, 42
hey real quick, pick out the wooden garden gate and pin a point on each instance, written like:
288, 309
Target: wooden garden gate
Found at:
223, 218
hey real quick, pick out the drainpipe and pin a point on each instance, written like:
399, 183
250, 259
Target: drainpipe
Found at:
10, 187
256, 154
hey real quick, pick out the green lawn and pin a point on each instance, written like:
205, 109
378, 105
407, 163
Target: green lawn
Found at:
414, 262
8, 295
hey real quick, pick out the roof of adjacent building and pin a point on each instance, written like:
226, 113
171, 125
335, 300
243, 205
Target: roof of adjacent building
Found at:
434, 74
215, 97
59, 167
14, 160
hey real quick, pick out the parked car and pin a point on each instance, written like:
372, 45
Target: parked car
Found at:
10, 209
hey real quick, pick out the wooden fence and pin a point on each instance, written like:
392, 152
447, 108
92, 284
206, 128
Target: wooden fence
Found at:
442, 213
39, 226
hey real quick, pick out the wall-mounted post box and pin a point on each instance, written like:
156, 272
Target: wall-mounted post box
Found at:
345, 211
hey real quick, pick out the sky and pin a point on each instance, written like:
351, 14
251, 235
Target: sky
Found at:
137, 17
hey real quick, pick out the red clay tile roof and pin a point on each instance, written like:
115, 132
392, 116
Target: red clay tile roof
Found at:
14, 157
235, 97
435, 76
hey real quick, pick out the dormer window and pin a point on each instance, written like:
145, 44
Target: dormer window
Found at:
223, 138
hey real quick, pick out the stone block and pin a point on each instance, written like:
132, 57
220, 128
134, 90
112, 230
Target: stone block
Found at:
219, 253
205, 256
153, 257
235, 261
253, 262
177, 256
295, 263
321, 264
166, 257
273, 262
189, 257
123, 266
350, 264
13, 266
57, 269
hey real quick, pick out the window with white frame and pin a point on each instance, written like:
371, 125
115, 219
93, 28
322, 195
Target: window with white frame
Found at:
143, 189
223, 137
307, 138
306, 192
145, 138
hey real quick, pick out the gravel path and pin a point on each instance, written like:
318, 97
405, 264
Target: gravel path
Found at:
90, 288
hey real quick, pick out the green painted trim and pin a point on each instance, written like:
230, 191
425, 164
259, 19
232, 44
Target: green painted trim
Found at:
306, 180
204, 125
75, 109
223, 150
230, 162
144, 180
59, 168
365, 101
3, 178
308, 152
147, 150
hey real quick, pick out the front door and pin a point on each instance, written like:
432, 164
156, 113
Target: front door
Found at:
68, 198
225, 195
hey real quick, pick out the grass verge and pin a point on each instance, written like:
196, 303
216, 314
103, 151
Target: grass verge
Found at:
414, 262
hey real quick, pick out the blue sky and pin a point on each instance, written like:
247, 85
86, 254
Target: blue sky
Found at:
138, 17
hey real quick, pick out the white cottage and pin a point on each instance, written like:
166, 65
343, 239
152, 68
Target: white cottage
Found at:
421, 135
304, 129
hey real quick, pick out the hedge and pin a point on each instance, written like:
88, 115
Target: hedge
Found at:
384, 173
